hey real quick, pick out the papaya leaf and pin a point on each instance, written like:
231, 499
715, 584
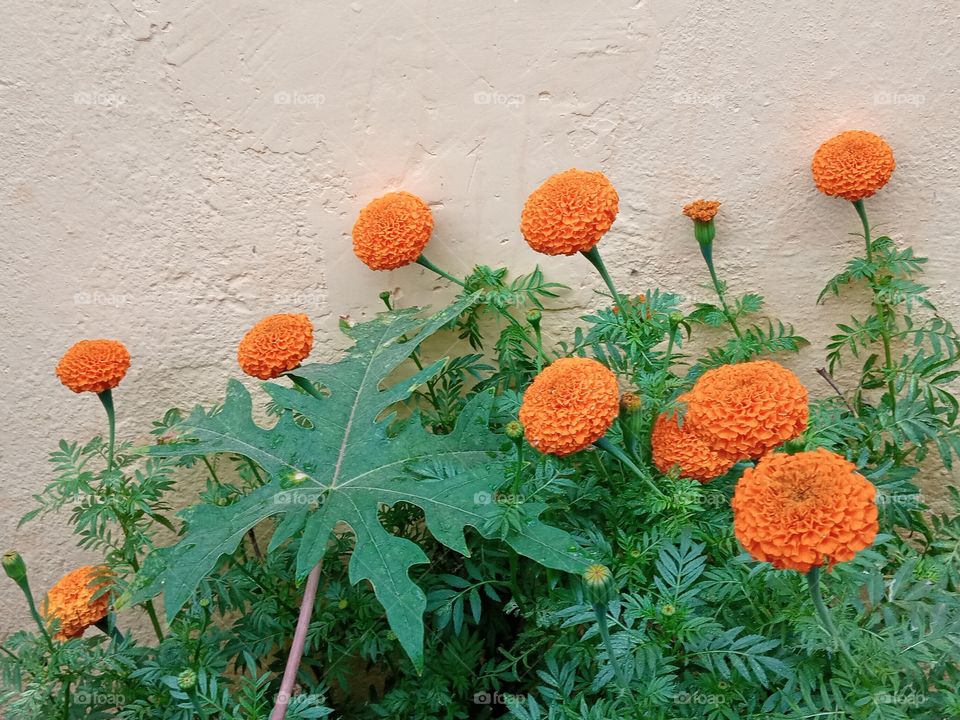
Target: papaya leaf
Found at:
345, 467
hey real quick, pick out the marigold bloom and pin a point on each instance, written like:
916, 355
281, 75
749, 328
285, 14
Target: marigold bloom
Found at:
701, 210
71, 601
746, 410
799, 511
392, 231
275, 344
853, 165
569, 213
674, 445
94, 365
569, 405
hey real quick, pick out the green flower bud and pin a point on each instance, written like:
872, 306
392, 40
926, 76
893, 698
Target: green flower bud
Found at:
533, 316
599, 587
676, 317
14, 566
187, 680
391, 635
385, 298
705, 232
668, 610
343, 604
630, 403
514, 430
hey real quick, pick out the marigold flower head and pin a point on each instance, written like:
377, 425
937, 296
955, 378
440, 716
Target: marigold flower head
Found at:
701, 210
746, 410
392, 231
798, 511
569, 405
675, 445
853, 165
94, 365
275, 344
71, 601
569, 213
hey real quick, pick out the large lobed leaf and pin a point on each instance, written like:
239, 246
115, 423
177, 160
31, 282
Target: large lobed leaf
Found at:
346, 468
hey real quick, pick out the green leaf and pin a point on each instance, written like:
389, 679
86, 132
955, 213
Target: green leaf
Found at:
345, 466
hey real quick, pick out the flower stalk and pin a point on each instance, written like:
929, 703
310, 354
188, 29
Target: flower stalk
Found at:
813, 583
422, 261
881, 310
106, 397
593, 255
16, 570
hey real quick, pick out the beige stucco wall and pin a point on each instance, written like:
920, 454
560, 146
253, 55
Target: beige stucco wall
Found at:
172, 170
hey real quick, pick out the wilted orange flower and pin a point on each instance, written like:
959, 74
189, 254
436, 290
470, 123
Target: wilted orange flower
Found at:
569, 213
746, 410
71, 601
701, 210
569, 405
274, 345
674, 445
799, 511
392, 231
853, 165
94, 365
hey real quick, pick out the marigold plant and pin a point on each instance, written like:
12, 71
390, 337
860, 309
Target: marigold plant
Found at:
569, 405
94, 365
569, 213
461, 515
276, 344
747, 409
392, 231
804, 510
78, 600
853, 165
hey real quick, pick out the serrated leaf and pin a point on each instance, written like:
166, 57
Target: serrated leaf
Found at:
345, 467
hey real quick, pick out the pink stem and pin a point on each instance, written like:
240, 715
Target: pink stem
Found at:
299, 640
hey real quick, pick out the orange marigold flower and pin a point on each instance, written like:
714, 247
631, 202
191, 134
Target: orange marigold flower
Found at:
797, 511
71, 601
94, 365
569, 405
674, 445
275, 344
569, 213
701, 210
748, 409
392, 231
853, 165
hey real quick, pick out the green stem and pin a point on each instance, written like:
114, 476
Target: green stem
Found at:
307, 386
518, 473
66, 700
880, 309
600, 612
593, 255
148, 605
605, 444
706, 249
24, 586
422, 260
537, 348
813, 582
106, 397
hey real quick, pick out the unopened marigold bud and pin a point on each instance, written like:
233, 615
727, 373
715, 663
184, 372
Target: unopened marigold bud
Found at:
187, 680
533, 316
676, 317
702, 213
630, 402
668, 610
514, 430
14, 566
598, 584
